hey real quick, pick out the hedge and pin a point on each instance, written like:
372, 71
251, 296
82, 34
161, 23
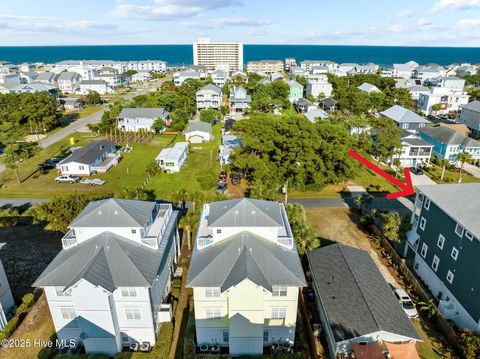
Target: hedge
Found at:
27, 301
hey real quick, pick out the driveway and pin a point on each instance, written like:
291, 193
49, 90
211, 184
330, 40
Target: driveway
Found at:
473, 170
418, 180
19, 202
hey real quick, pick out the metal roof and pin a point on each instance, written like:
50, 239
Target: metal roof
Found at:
245, 256
143, 113
366, 87
90, 153
356, 298
448, 136
199, 126
472, 106
114, 212
245, 212
402, 115
67, 76
107, 260
457, 201
210, 87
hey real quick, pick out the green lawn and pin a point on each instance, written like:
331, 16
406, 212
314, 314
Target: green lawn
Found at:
202, 160
435, 173
130, 172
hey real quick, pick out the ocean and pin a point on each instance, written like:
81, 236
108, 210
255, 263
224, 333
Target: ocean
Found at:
178, 55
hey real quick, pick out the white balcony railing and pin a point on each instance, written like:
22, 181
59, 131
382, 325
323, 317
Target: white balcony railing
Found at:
285, 241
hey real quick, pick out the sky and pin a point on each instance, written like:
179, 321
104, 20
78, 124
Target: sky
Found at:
337, 22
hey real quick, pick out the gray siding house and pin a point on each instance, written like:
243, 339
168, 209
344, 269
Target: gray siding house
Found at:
405, 119
445, 245
471, 117
136, 119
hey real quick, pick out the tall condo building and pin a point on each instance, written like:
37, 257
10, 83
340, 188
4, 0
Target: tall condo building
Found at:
226, 55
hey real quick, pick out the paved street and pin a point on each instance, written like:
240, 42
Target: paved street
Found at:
19, 202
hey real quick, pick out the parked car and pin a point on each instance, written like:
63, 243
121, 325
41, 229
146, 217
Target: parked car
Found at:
406, 303
221, 187
46, 165
236, 179
67, 179
222, 176
416, 171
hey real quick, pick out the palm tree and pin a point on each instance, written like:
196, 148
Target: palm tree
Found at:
179, 197
462, 158
391, 225
187, 223
443, 164
196, 197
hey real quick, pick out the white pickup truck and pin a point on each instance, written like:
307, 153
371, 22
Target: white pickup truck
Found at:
67, 179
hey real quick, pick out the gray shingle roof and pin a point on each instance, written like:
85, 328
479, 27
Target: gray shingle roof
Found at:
448, 136
245, 256
293, 83
473, 106
114, 212
90, 153
245, 212
356, 298
67, 76
107, 260
199, 126
402, 115
143, 113
458, 201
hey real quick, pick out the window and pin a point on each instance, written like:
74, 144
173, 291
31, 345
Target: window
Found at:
129, 292
212, 292
278, 291
469, 235
427, 204
424, 250
265, 335
225, 337
213, 313
133, 314
435, 263
450, 277
219, 231
60, 293
423, 222
68, 312
459, 230
134, 231
125, 338
454, 253
405, 126
279, 313
441, 241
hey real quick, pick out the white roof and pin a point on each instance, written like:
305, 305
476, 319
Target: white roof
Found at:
173, 153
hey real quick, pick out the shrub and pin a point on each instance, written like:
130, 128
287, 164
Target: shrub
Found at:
9, 328
27, 301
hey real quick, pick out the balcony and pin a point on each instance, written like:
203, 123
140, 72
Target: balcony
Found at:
157, 229
69, 239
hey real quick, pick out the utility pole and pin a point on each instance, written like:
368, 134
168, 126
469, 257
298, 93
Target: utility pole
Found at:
285, 192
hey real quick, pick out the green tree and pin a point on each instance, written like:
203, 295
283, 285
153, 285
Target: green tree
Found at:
462, 158
158, 125
305, 237
152, 168
385, 139
188, 224
139, 194
93, 98
443, 164
209, 115
60, 211
15, 153
179, 197
130, 72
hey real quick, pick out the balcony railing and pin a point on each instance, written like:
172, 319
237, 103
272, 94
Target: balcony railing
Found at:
159, 226
285, 241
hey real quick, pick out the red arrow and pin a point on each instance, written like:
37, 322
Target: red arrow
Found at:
406, 188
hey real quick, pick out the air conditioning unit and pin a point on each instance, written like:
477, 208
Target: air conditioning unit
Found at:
204, 348
145, 347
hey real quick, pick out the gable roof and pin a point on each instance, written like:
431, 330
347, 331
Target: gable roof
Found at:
294, 83
356, 298
107, 260
114, 212
153, 113
211, 87
472, 106
89, 153
245, 212
245, 256
402, 115
67, 76
448, 136
413, 140
199, 126
313, 113
366, 87
46, 76
456, 201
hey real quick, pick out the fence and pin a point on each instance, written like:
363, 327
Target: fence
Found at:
411, 279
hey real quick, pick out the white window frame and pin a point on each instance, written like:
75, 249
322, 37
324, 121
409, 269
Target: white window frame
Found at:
133, 313
68, 313
440, 241
424, 250
278, 313
426, 205
454, 253
462, 231
213, 313
435, 263
469, 235
450, 277
423, 223
128, 292
225, 335
211, 292
279, 291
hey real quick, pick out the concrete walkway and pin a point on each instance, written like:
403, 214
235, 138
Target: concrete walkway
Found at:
473, 170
